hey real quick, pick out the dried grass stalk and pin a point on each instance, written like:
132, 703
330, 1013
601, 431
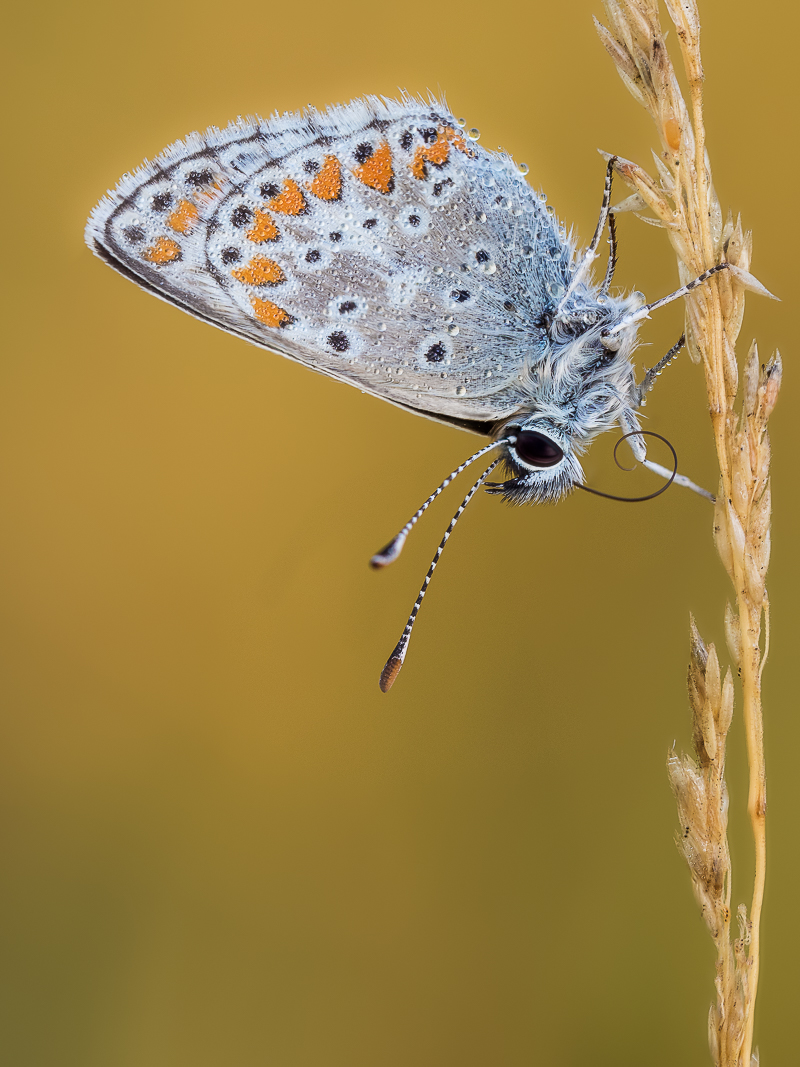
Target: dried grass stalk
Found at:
684, 203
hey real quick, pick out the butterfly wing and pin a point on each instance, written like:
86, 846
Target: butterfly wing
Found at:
373, 243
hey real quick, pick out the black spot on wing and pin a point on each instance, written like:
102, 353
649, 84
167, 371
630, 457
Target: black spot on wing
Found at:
241, 216
338, 341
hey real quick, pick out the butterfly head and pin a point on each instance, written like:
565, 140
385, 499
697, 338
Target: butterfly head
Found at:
541, 462
583, 386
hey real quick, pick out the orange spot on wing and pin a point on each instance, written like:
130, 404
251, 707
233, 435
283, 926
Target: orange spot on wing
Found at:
328, 183
270, 314
260, 271
437, 153
419, 167
377, 172
163, 250
183, 217
290, 200
264, 229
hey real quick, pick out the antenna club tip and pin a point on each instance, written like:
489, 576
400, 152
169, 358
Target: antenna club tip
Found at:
390, 671
388, 554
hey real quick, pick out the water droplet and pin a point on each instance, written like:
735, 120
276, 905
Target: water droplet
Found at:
461, 122
551, 210
488, 374
490, 268
399, 371
473, 134
438, 270
556, 290
461, 390
481, 217
523, 168
382, 327
453, 330
443, 374
602, 299
543, 198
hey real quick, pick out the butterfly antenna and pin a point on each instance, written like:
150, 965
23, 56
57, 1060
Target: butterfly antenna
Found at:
395, 661
612, 254
590, 255
390, 552
644, 312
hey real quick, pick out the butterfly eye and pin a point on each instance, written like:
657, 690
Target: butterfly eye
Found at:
537, 450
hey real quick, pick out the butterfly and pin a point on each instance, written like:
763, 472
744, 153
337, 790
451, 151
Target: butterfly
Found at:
377, 243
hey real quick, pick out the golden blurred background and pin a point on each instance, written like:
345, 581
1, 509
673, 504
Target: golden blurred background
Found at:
223, 846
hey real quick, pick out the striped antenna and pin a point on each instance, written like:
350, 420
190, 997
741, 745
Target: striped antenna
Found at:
590, 255
612, 254
390, 552
644, 312
395, 661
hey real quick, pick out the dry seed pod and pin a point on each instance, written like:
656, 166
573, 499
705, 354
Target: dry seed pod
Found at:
760, 516
626, 68
665, 174
733, 635
740, 493
761, 473
721, 538
756, 566
741, 456
725, 711
730, 366
751, 380
735, 530
769, 387
714, 1027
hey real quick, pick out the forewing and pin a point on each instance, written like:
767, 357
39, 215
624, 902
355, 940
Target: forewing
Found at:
374, 243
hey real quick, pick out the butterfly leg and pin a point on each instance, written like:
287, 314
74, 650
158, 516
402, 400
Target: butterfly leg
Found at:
630, 424
649, 379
